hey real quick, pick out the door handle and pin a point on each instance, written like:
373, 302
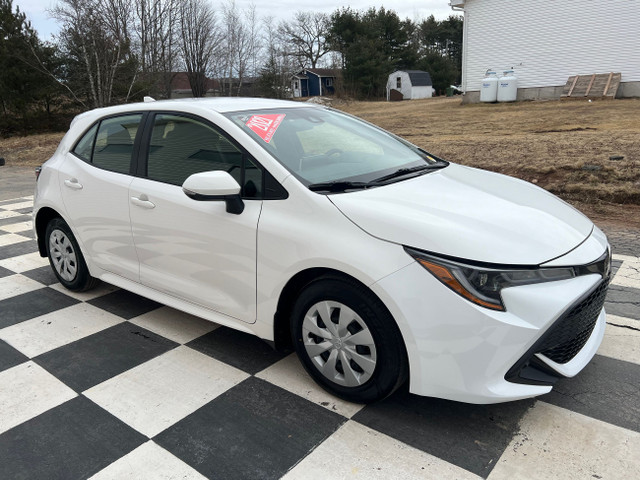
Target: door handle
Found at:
142, 201
73, 184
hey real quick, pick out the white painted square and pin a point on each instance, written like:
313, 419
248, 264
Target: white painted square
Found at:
13, 285
19, 205
153, 396
628, 275
98, 291
556, 443
174, 324
149, 462
289, 374
12, 239
17, 227
621, 342
26, 391
24, 263
358, 452
42, 334
8, 213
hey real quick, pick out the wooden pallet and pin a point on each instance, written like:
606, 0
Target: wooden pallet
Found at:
602, 85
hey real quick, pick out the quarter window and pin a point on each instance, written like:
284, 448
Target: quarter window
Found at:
114, 143
181, 146
84, 147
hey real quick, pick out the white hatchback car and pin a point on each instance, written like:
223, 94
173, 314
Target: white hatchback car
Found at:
378, 262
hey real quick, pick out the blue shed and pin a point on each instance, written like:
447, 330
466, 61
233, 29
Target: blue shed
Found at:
314, 82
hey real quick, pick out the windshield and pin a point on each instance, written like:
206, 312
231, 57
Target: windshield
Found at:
321, 145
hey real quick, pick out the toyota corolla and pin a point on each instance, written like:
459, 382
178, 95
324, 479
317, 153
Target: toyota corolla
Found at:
378, 262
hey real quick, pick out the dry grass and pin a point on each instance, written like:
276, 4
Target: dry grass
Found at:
563, 146
29, 151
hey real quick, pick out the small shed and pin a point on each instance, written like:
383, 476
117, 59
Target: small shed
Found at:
313, 82
409, 85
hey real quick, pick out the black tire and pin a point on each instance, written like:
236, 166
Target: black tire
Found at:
66, 259
375, 370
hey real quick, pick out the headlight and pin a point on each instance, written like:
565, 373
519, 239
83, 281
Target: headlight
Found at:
482, 285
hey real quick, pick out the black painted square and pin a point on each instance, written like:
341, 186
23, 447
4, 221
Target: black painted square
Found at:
16, 219
623, 301
43, 275
17, 249
27, 233
607, 389
32, 304
9, 356
241, 350
5, 272
254, 430
98, 357
615, 266
470, 436
74, 440
125, 304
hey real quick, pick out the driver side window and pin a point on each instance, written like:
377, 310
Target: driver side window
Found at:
181, 146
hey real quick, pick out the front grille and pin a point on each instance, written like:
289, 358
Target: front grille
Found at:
566, 337
570, 333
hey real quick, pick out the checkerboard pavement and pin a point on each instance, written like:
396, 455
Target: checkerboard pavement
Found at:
109, 385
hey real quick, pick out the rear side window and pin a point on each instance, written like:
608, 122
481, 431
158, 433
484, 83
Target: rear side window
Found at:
114, 143
84, 147
181, 146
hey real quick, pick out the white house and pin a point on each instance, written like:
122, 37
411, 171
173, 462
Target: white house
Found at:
409, 85
547, 41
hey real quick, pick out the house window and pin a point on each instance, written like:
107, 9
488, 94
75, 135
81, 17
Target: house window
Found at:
295, 85
398, 82
329, 82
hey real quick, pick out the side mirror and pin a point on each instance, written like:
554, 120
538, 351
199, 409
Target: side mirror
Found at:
215, 186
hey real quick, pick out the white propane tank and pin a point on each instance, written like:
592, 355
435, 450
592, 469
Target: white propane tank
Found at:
489, 88
507, 87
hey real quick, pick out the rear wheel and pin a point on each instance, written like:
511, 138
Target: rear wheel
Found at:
348, 341
66, 258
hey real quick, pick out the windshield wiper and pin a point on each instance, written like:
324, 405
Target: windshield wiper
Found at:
338, 186
401, 172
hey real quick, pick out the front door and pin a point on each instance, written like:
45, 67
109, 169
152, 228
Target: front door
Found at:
190, 249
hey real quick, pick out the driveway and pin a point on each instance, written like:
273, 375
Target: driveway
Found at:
109, 385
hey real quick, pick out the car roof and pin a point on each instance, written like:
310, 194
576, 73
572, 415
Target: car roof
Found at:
216, 104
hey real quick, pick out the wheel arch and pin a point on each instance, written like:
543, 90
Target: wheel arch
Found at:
43, 217
291, 290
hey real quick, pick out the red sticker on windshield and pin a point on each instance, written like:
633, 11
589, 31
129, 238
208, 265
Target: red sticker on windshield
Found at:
265, 125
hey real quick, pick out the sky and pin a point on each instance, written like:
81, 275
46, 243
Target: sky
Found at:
36, 10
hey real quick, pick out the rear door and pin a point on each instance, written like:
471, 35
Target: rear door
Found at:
95, 179
196, 250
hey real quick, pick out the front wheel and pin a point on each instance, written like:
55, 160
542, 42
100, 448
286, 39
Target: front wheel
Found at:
66, 258
348, 341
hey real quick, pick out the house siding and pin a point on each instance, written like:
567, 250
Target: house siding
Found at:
546, 41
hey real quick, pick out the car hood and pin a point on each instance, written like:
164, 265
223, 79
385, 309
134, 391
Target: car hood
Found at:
469, 214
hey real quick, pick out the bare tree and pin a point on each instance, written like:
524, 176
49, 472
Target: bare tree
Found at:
156, 29
95, 35
277, 69
200, 39
306, 37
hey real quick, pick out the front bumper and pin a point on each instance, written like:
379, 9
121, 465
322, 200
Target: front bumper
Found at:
460, 351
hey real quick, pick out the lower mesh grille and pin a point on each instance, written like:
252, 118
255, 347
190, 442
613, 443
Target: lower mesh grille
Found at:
570, 333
